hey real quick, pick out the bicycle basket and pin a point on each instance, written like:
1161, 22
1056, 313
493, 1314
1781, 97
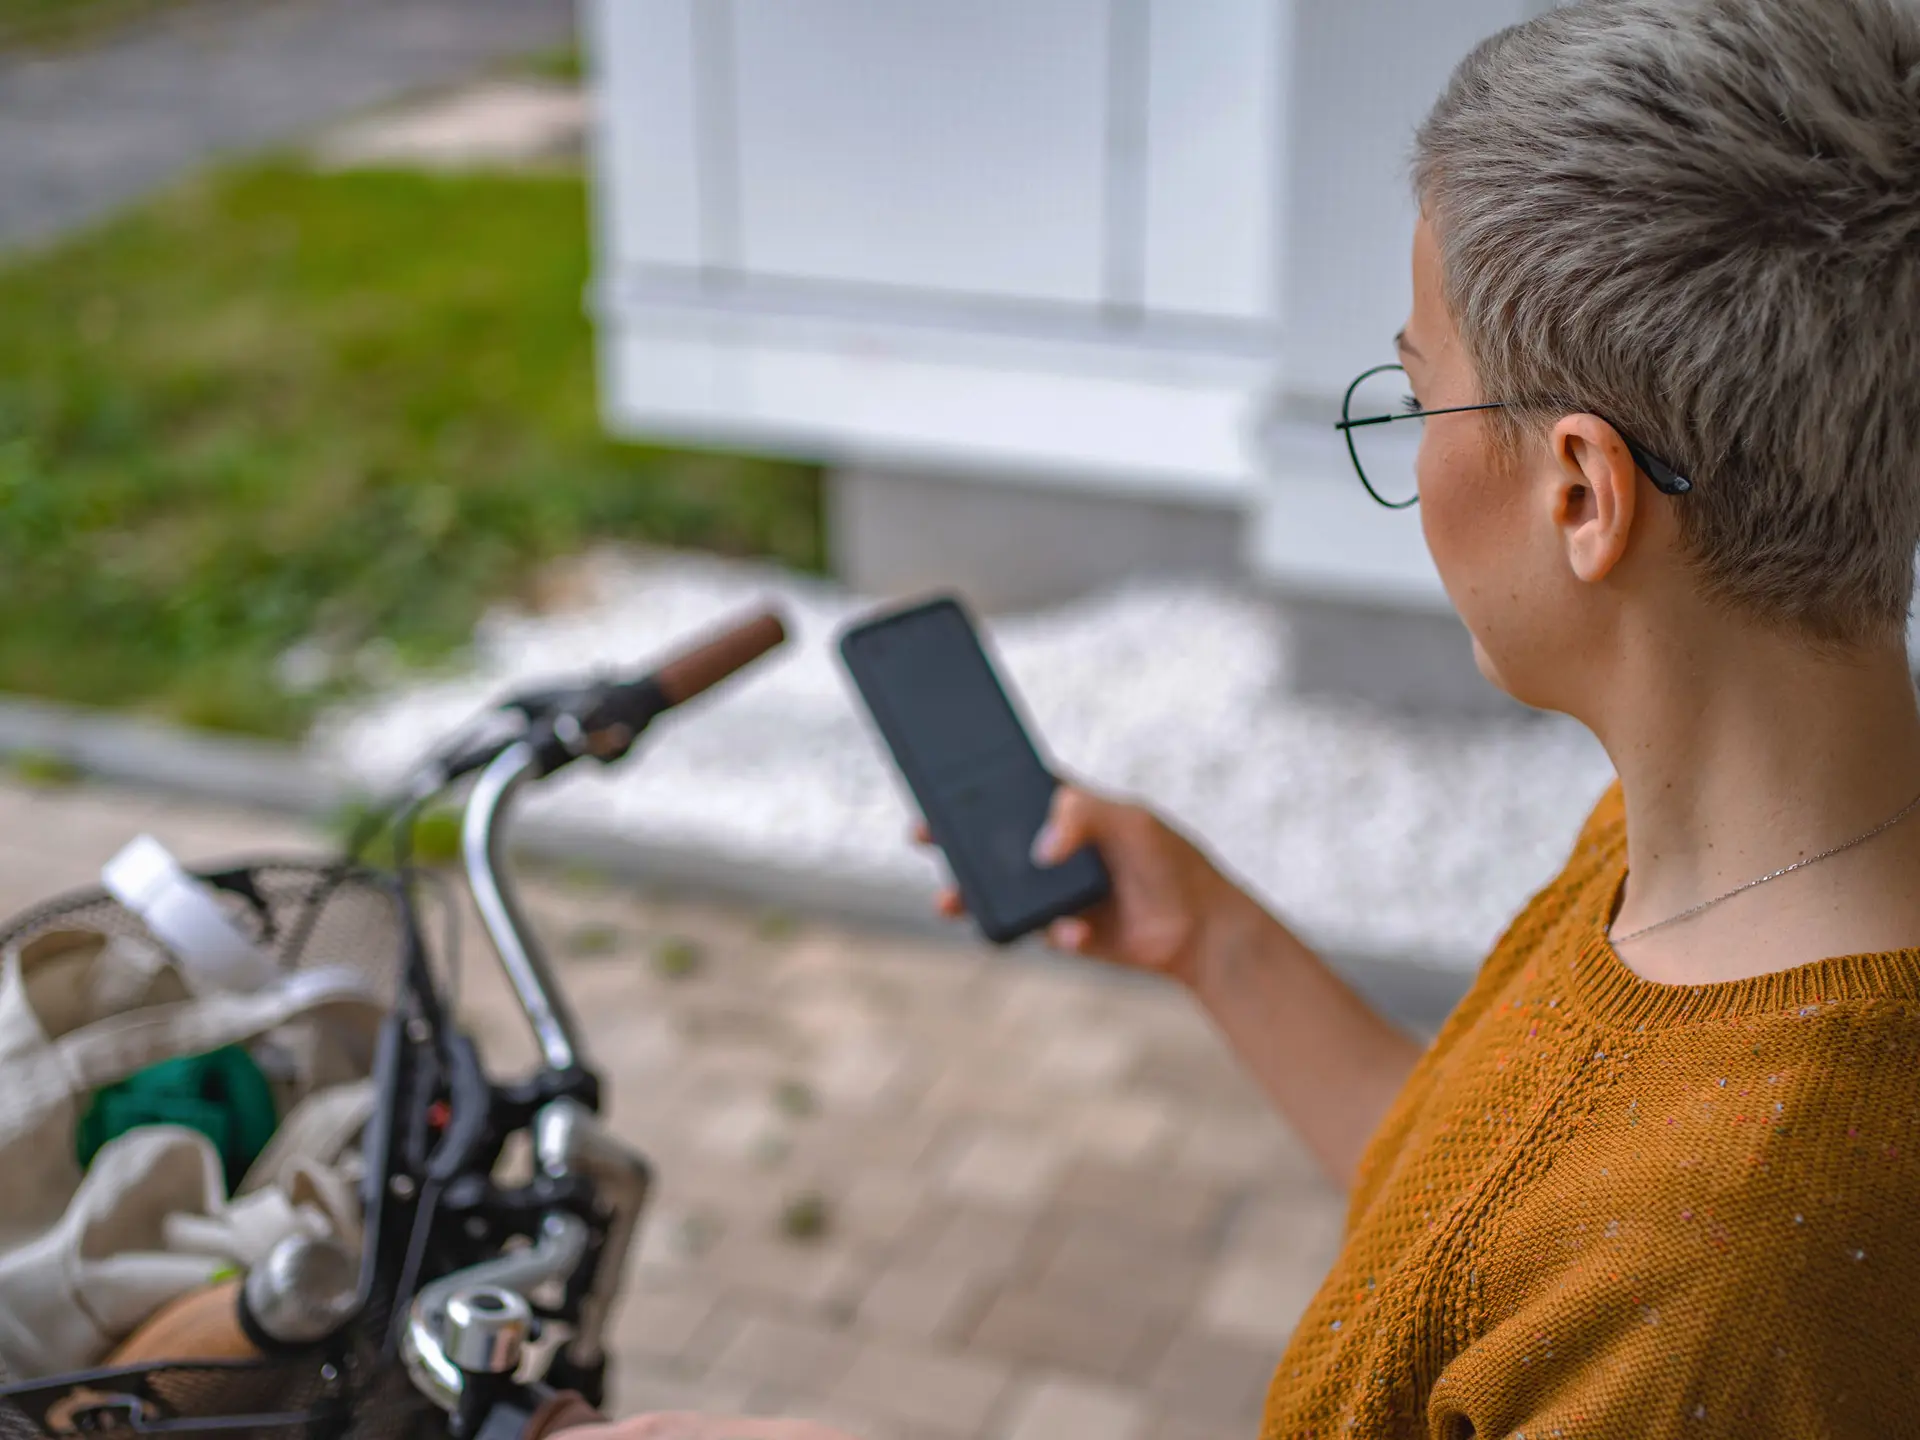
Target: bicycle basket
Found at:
304, 914
297, 1398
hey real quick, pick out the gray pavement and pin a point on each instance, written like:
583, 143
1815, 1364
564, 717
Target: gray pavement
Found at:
86, 131
1051, 1207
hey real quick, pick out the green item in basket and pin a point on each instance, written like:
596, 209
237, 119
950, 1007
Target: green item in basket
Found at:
222, 1094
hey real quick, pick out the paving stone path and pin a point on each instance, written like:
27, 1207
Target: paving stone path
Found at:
1049, 1207
86, 131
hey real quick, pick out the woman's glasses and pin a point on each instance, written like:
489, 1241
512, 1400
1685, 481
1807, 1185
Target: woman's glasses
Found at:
1383, 452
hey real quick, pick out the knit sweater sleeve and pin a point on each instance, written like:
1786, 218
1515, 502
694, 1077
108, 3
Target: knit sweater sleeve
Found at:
1601, 837
1719, 1241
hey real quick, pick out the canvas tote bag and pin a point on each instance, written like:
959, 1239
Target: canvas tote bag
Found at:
84, 1259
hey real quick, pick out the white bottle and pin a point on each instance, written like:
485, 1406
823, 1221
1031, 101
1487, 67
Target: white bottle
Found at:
186, 916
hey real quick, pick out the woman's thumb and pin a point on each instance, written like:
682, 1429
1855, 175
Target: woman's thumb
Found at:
1069, 826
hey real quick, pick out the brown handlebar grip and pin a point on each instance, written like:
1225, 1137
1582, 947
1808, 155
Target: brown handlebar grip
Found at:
706, 665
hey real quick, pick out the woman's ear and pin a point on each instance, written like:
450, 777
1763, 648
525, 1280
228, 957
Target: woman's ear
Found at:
1596, 485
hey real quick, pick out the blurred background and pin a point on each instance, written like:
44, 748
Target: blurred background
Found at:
359, 358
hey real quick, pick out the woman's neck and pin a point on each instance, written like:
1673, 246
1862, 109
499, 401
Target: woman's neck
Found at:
1742, 754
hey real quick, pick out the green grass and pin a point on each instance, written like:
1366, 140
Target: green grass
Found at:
564, 62
43, 770
38, 23
278, 406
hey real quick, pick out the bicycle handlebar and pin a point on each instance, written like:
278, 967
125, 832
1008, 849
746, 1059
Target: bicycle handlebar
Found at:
562, 724
603, 718
705, 665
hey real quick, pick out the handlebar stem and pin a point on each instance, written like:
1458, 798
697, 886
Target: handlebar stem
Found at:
482, 848
568, 1139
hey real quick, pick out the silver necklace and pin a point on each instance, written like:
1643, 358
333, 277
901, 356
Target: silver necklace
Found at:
1881, 828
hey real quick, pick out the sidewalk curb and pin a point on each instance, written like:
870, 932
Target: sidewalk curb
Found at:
264, 775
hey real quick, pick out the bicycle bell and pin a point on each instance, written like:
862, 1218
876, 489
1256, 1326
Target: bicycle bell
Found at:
487, 1329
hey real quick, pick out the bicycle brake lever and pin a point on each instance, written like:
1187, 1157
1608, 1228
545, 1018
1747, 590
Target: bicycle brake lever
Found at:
538, 712
602, 718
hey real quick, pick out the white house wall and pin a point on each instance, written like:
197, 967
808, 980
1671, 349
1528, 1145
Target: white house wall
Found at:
1212, 134
1111, 242
646, 146
871, 153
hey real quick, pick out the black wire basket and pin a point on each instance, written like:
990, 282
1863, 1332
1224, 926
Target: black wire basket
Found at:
304, 915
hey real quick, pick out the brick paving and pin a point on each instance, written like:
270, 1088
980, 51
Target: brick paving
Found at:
1051, 1207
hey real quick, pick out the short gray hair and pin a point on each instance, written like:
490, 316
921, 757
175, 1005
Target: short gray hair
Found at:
1700, 219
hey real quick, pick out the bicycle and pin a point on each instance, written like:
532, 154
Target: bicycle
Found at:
481, 1302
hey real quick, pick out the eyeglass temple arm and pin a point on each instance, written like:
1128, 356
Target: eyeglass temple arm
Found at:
1346, 424
1665, 478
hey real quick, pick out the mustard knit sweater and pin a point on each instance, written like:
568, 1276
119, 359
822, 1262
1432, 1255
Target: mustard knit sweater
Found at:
1609, 1208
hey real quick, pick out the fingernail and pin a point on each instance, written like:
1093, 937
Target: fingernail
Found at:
1045, 843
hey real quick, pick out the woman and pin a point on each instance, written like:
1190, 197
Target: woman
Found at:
1660, 1172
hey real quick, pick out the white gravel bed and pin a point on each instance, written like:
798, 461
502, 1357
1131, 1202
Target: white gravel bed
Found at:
1371, 833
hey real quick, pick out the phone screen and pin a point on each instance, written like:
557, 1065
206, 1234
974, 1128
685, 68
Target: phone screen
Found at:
938, 679
976, 774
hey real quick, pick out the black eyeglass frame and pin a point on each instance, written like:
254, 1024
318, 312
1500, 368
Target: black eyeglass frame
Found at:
1665, 478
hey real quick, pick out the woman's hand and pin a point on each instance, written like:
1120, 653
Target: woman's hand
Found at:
1330, 1063
1168, 900
678, 1426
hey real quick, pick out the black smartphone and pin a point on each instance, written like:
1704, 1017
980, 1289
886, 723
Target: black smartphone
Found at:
979, 779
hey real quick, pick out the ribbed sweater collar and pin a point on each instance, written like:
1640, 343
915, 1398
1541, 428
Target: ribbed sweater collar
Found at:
1617, 999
